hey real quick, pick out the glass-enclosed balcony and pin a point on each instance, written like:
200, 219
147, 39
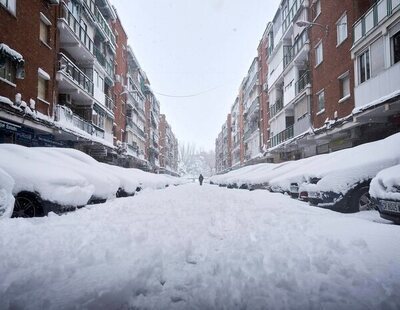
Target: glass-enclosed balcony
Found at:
73, 35
98, 17
297, 4
373, 17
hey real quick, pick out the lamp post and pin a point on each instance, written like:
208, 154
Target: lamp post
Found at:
304, 23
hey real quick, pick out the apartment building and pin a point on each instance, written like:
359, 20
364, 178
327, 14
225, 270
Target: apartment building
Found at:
237, 132
289, 86
27, 72
135, 113
251, 112
85, 76
121, 71
376, 59
263, 55
68, 78
168, 148
152, 120
223, 147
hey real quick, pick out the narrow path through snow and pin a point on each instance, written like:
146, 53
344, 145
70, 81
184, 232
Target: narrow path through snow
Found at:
192, 247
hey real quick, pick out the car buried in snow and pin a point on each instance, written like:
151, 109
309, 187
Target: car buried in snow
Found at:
341, 181
41, 185
385, 192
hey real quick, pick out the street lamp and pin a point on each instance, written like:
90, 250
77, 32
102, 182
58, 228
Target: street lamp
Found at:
304, 23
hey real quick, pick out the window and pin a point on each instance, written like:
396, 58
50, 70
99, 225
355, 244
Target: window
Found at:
396, 47
319, 54
7, 70
43, 79
341, 29
321, 101
364, 66
10, 5
317, 9
42, 88
344, 81
44, 33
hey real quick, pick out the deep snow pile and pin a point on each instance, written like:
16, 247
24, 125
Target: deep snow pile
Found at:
192, 247
386, 184
6, 197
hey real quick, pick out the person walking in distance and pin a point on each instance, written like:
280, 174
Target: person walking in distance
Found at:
201, 178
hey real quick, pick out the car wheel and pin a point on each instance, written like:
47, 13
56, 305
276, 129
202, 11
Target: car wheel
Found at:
360, 200
26, 205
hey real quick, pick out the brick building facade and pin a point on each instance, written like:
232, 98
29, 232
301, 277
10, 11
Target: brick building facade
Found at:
69, 79
329, 77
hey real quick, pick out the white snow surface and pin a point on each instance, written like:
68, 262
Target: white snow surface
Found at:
192, 247
6, 197
35, 172
105, 185
386, 184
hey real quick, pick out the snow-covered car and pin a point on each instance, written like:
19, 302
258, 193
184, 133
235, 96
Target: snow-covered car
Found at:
6, 197
41, 184
340, 181
105, 184
385, 191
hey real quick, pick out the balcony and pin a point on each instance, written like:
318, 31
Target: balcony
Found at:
374, 17
290, 52
98, 17
73, 36
276, 108
376, 88
254, 109
72, 121
302, 82
73, 81
134, 127
291, 14
109, 104
107, 65
283, 136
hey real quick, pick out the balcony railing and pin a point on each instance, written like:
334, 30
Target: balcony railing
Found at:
136, 128
291, 14
101, 21
97, 132
76, 27
373, 17
276, 108
107, 65
302, 82
283, 136
289, 53
109, 104
66, 116
76, 75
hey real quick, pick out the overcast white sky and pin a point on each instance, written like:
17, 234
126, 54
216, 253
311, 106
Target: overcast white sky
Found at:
190, 46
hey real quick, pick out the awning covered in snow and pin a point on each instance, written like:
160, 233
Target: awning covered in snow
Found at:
6, 51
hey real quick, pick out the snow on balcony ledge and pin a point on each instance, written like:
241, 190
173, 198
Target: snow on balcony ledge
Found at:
14, 55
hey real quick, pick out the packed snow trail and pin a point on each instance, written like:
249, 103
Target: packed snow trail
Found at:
192, 247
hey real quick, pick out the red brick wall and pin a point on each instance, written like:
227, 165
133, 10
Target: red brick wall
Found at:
21, 33
336, 59
121, 69
264, 100
162, 133
229, 133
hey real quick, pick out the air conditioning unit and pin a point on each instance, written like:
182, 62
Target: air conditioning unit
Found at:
117, 78
65, 99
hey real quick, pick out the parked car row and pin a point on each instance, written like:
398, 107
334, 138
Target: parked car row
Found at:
360, 178
43, 180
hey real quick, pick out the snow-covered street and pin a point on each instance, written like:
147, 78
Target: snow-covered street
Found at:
192, 247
